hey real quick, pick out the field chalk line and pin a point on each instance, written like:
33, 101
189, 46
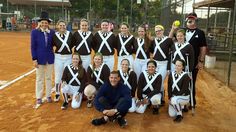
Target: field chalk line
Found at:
18, 78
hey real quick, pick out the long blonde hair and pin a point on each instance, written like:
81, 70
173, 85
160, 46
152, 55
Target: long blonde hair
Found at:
93, 65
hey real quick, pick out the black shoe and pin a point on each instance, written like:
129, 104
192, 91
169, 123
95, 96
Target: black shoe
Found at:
122, 122
64, 106
99, 121
185, 109
178, 118
69, 98
57, 98
155, 111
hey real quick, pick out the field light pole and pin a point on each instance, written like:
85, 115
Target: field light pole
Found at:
35, 9
117, 12
131, 12
7, 7
182, 13
231, 46
90, 9
90, 5
62, 9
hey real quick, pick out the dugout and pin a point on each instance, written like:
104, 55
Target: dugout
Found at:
57, 9
221, 37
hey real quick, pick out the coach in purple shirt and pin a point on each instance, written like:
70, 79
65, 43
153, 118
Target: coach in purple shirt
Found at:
43, 56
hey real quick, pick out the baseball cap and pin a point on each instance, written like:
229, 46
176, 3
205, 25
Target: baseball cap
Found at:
192, 15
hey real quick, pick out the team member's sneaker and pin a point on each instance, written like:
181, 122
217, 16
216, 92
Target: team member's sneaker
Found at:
99, 121
39, 101
57, 98
64, 106
178, 118
122, 122
89, 103
49, 99
69, 98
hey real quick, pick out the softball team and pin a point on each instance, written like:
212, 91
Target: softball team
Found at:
143, 64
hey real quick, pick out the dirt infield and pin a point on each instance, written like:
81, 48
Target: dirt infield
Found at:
215, 109
14, 54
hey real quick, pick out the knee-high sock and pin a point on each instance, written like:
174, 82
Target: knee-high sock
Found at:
65, 97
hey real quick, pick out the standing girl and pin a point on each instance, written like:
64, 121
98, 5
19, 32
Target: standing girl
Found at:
82, 40
125, 44
103, 42
141, 46
62, 42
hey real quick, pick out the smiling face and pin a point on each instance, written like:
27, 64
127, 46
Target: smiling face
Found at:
84, 26
104, 26
75, 60
180, 37
159, 32
151, 68
114, 79
179, 66
44, 24
97, 60
124, 66
61, 27
124, 29
141, 32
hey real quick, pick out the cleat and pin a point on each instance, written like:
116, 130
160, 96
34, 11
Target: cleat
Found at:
57, 98
178, 118
64, 106
49, 99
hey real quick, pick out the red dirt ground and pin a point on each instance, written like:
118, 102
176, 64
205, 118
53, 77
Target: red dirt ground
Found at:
215, 111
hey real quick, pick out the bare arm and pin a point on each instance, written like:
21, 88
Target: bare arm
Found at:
173, 30
201, 57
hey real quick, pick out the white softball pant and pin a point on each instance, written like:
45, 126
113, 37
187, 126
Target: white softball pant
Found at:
61, 61
73, 90
176, 105
155, 100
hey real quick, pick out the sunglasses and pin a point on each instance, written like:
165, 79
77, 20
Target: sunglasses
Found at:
190, 21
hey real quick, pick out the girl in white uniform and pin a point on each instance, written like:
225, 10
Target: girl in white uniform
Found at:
129, 78
181, 50
104, 42
73, 82
125, 45
62, 40
82, 40
160, 47
141, 48
97, 74
178, 90
149, 89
